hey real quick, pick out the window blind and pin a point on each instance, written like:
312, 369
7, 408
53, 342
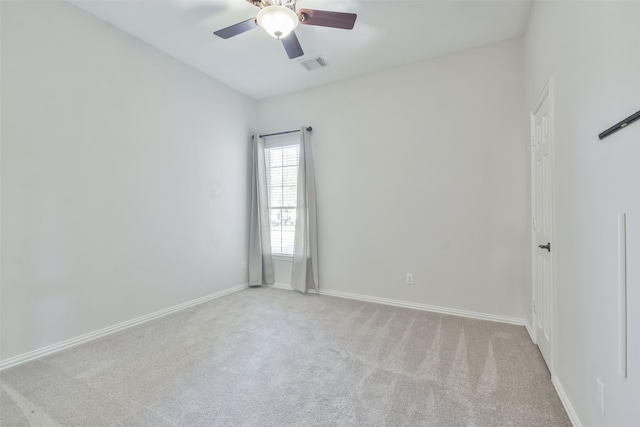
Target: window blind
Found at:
282, 167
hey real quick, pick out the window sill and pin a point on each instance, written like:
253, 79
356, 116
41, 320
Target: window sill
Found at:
282, 257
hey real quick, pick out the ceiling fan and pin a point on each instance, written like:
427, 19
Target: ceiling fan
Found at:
279, 19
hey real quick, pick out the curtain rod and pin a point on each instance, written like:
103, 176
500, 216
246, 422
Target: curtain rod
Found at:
623, 124
309, 129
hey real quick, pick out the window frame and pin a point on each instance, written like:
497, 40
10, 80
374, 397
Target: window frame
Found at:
280, 141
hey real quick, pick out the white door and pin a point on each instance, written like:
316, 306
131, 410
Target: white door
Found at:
542, 214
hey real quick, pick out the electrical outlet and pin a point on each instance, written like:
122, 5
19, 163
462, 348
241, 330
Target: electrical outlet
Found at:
243, 266
600, 394
409, 279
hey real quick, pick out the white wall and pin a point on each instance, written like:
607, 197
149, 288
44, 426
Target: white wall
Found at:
422, 169
590, 49
124, 178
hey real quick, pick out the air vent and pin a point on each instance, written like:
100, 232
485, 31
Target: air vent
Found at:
315, 63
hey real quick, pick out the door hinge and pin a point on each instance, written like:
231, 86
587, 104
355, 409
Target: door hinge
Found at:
534, 307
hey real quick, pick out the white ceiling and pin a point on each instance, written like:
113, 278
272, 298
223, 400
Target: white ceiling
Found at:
387, 34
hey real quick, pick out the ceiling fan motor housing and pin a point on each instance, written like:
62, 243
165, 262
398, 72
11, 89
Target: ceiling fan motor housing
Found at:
291, 4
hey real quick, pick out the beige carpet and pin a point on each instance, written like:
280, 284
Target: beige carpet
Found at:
269, 357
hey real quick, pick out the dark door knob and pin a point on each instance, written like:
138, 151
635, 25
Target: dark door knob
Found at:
547, 246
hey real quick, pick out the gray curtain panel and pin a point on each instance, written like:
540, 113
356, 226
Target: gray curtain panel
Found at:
304, 275
260, 262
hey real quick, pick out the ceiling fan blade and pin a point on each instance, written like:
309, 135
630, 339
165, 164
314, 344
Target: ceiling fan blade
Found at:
325, 18
292, 45
236, 29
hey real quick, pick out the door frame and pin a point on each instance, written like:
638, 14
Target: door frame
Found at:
545, 94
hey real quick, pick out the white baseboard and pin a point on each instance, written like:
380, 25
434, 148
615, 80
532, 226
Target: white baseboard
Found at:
22, 358
417, 306
573, 416
530, 331
426, 307
280, 286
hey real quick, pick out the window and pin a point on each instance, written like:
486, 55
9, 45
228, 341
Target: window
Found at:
282, 177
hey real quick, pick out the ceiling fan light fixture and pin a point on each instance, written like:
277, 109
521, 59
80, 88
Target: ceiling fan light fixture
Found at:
277, 21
